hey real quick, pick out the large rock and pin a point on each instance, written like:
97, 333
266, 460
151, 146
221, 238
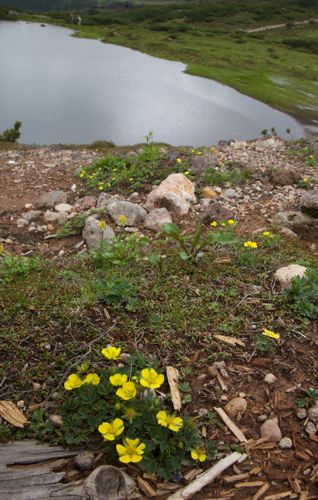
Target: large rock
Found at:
270, 429
103, 200
284, 177
108, 483
157, 218
175, 193
284, 275
309, 203
216, 212
302, 224
93, 235
52, 198
134, 214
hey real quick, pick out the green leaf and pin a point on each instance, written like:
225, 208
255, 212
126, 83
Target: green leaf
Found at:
184, 255
223, 238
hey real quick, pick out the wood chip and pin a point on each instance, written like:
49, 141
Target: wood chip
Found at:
173, 381
232, 341
303, 495
255, 442
231, 425
278, 496
192, 474
261, 491
145, 487
223, 260
207, 477
236, 477
12, 414
249, 484
222, 382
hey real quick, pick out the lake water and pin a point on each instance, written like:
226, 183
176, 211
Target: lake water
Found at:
68, 90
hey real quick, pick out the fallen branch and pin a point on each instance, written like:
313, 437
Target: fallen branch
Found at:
173, 381
231, 425
207, 477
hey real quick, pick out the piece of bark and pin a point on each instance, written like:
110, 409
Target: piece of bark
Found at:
145, 487
207, 477
261, 491
278, 496
173, 381
12, 414
236, 477
249, 484
232, 341
231, 425
222, 383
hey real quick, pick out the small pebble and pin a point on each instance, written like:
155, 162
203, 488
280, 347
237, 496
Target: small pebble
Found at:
301, 413
310, 428
285, 443
270, 378
84, 461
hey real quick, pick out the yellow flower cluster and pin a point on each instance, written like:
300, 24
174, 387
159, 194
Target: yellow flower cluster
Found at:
169, 421
268, 234
198, 455
230, 222
74, 381
110, 430
111, 352
250, 244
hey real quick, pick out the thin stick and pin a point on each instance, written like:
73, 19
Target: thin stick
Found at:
173, 381
207, 477
231, 425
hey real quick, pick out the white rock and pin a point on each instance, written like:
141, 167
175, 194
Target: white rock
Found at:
301, 413
63, 207
313, 414
310, 428
229, 193
175, 193
235, 407
270, 429
157, 218
270, 378
52, 198
285, 443
31, 216
22, 223
284, 275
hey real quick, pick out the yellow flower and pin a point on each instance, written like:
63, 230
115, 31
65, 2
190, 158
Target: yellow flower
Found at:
214, 224
187, 172
101, 187
173, 423
250, 244
199, 153
198, 455
192, 150
121, 220
111, 352
268, 234
73, 382
231, 222
111, 430
127, 391
1, 249
82, 174
131, 450
91, 378
102, 225
179, 160
150, 378
269, 333
118, 379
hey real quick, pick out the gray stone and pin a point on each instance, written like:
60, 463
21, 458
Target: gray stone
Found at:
175, 193
288, 233
309, 203
50, 216
229, 193
301, 413
156, 218
134, 214
290, 219
93, 235
63, 207
31, 216
200, 163
108, 483
22, 223
313, 414
284, 275
52, 198
62, 218
216, 212
285, 443
270, 429
84, 461
310, 428
103, 200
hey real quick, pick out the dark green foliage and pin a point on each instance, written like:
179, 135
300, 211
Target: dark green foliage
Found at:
117, 291
11, 134
303, 294
12, 266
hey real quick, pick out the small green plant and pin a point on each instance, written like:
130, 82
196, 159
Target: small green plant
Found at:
72, 227
117, 291
303, 294
306, 401
304, 183
119, 253
264, 345
11, 134
120, 408
11, 266
215, 177
192, 245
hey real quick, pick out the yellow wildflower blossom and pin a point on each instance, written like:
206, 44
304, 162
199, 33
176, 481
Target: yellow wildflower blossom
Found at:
187, 172
127, 391
111, 430
102, 225
250, 244
73, 382
198, 455
271, 334
82, 174
91, 378
118, 379
179, 160
111, 352
231, 222
268, 234
150, 378
121, 220
214, 223
131, 450
173, 423
1, 249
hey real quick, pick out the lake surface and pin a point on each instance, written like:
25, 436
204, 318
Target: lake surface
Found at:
68, 90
